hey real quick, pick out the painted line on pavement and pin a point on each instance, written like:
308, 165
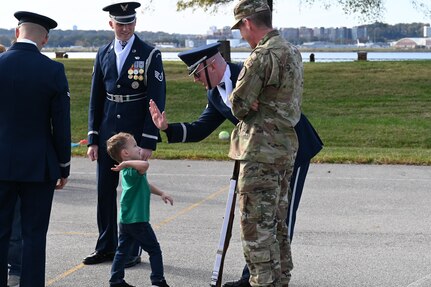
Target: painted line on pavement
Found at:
65, 274
423, 282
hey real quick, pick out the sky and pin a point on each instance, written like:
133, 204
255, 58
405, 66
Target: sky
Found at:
161, 15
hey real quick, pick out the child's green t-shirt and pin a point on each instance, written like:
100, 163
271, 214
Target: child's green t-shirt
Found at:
135, 198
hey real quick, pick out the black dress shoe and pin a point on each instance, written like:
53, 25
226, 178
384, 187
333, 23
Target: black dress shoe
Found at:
160, 284
122, 284
243, 282
98, 257
133, 260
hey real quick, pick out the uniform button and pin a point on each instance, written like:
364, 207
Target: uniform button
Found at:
118, 116
118, 86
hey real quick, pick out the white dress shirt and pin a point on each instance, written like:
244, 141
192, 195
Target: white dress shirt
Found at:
23, 40
122, 53
224, 93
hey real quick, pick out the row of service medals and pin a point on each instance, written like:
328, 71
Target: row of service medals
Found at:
136, 73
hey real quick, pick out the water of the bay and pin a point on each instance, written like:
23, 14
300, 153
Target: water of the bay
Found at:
319, 56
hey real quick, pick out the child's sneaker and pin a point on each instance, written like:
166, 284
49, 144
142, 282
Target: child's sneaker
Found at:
160, 284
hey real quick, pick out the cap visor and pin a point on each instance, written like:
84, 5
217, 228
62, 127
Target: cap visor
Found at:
191, 72
236, 25
124, 23
123, 19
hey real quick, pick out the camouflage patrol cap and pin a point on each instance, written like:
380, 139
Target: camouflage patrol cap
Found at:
246, 8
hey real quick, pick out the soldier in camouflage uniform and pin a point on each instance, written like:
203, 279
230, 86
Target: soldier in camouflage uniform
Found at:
267, 101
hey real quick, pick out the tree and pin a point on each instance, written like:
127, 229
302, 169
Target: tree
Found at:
206, 4
371, 10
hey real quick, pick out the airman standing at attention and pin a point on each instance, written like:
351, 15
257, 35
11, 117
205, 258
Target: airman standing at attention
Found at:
127, 74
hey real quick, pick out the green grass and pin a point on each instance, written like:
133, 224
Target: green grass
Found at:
365, 112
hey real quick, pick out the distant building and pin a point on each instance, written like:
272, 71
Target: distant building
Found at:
427, 31
222, 33
411, 43
319, 33
332, 34
305, 34
290, 34
189, 43
360, 33
343, 35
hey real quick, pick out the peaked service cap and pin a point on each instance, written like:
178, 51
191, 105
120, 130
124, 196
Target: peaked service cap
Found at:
123, 12
192, 58
30, 17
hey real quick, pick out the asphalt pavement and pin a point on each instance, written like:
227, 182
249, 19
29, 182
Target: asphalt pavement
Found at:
357, 225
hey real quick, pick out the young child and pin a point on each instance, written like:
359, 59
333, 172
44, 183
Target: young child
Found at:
134, 210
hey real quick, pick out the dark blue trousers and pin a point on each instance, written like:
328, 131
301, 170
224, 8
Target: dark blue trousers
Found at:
296, 186
107, 182
143, 233
15, 243
36, 202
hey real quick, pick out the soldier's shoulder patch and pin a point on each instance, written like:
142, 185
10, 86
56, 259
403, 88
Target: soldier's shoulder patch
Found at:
242, 73
254, 55
248, 64
250, 60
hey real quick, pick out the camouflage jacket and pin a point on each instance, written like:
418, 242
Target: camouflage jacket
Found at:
272, 75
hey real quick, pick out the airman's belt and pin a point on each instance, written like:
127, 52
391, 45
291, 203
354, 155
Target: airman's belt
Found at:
124, 98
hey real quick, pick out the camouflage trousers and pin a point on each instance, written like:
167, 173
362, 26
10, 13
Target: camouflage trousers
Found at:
263, 198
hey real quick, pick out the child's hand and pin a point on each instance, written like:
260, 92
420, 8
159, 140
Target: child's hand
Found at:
118, 167
166, 197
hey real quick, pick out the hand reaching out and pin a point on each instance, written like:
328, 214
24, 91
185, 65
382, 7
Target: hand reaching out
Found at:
159, 118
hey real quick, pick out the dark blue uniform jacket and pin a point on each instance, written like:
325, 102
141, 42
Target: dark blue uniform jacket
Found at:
106, 117
34, 116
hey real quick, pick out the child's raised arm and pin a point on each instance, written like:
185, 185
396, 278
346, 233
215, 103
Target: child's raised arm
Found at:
140, 165
165, 197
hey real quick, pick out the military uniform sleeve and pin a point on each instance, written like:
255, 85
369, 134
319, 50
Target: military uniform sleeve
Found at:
97, 100
60, 120
198, 130
248, 87
156, 90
